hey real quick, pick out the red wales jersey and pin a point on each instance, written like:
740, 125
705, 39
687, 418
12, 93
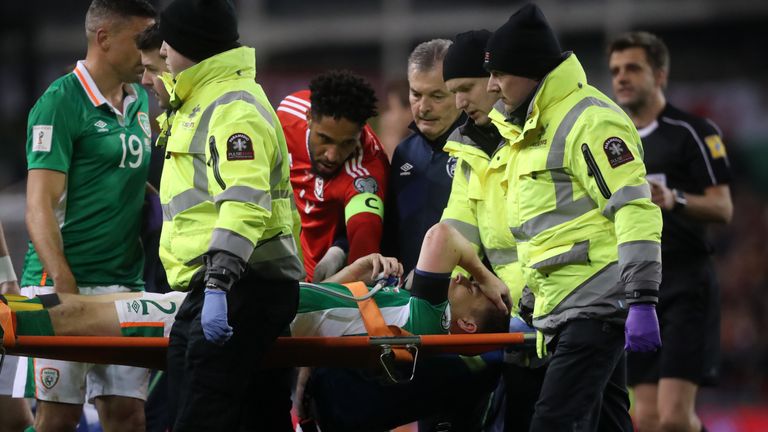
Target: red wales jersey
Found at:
352, 199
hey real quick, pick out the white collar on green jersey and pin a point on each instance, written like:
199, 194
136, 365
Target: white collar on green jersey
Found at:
94, 94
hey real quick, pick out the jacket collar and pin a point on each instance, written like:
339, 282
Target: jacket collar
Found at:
237, 63
566, 78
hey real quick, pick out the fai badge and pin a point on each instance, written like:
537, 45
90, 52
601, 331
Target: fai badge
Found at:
445, 320
366, 185
144, 123
49, 377
239, 147
617, 152
450, 166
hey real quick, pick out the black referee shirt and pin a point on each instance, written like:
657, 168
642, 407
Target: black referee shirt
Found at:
687, 153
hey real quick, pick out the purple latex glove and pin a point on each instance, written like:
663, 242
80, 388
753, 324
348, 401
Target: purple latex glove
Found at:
153, 214
641, 330
214, 317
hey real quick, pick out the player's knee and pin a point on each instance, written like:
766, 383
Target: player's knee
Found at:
62, 421
122, 414
646, 418
675, 422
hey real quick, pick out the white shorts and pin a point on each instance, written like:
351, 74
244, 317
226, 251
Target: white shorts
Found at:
151, 315
76, 383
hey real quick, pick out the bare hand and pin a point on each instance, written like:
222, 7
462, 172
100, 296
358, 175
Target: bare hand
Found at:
496, 290
662, 196
387, 265
368, 267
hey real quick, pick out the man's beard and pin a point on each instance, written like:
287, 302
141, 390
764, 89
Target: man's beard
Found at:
313, 168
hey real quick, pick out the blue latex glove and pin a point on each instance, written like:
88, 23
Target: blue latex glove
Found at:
641, 330
214, 317
153, 213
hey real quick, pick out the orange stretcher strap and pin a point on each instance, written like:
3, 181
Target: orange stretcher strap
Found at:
352, 351
374, 321
7, 323
371, 314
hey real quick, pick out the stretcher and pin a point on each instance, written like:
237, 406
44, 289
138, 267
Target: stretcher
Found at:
150, 352
386, 346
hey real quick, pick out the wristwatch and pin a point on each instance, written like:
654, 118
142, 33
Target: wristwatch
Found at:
680, 201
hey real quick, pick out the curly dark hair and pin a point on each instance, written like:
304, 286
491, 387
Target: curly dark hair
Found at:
342, 94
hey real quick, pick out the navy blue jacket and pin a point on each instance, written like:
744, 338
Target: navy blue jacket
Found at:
420, 177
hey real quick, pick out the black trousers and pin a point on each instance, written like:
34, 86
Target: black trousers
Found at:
585, 384
216, 388
522, 388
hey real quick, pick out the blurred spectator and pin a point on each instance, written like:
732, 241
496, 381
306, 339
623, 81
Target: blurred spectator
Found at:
396, 116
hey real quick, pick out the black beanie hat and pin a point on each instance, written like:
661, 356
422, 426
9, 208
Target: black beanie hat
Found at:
199, 29
524, 46
464, 58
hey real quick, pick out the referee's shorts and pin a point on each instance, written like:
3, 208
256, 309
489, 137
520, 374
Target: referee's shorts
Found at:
689, 317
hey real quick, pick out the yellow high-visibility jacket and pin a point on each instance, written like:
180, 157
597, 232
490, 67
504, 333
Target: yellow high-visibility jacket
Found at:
476, 205
578, 204
225, 183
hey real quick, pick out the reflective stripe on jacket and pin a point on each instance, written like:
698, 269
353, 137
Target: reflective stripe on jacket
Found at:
225, 183
578, 203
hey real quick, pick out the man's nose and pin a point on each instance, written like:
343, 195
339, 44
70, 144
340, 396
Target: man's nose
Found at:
146, 79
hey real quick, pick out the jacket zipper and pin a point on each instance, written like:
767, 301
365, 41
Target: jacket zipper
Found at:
215, 162
594, 171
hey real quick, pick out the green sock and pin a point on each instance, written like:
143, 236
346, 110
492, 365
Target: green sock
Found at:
34, 323
30, 429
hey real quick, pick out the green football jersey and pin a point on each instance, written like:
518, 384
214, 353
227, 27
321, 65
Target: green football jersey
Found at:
105, 156
321, 314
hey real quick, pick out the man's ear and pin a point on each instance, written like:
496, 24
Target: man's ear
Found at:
661, 76
103, 38
467, 325
309, 117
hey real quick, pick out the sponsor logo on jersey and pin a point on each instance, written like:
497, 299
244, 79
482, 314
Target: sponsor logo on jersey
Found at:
144, 123
49, 377
366, 185
405, 169
41, 138
319, 186
239, 147
716, 147
450, 166
617, 152
101, 126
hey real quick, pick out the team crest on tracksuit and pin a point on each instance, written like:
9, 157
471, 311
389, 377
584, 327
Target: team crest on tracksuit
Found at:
450, 166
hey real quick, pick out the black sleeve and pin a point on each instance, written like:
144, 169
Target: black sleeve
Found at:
707, 156
430, 288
